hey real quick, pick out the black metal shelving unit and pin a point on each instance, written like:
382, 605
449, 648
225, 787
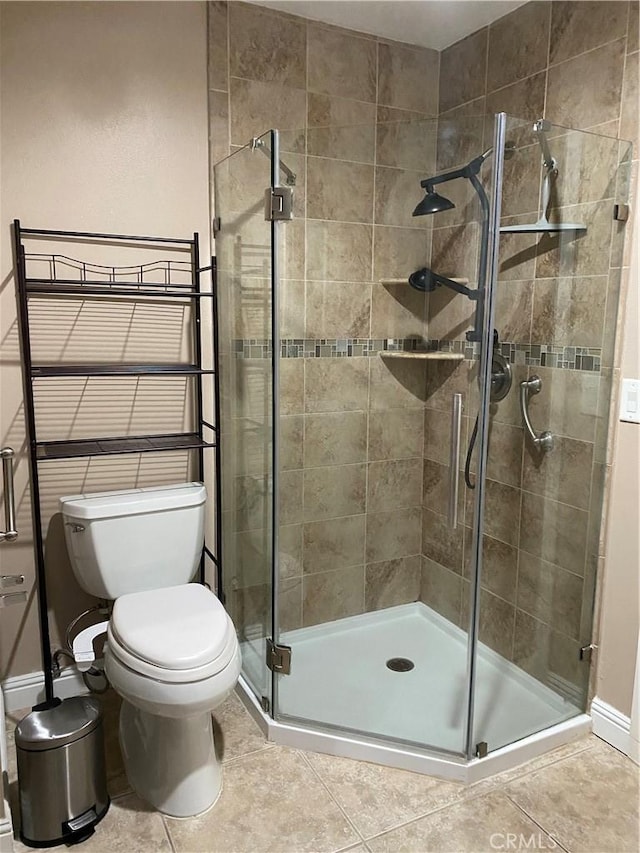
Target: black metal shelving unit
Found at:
170, 281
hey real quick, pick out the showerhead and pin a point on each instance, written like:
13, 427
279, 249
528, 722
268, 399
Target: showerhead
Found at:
432, 203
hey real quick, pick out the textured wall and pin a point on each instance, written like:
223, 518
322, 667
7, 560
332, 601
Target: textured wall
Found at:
104, 128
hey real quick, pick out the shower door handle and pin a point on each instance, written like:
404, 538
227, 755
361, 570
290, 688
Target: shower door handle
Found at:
542, 441
10, 534
454, 456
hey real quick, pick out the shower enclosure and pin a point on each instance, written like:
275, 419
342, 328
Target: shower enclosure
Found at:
415, 409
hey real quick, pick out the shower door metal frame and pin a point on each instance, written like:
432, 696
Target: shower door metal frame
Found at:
472, 749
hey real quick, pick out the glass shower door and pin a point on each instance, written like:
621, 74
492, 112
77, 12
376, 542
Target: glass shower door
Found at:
243, 246
555, 301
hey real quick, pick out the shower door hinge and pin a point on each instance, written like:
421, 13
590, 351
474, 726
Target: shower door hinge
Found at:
586, 652
278, 204
620, 212
278, 658
217, 225
482, 749
265, 704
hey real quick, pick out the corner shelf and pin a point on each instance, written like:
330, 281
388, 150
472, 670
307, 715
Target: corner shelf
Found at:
406, 280
417, 355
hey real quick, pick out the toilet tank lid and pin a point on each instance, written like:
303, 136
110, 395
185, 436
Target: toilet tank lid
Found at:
133, 501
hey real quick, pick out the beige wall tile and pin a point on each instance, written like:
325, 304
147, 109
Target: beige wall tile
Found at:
290, 604
291, 446
568, 402
338, 310
554, 531
291, 386
340, 128
516, 252
397, 311
441, 589
333, 595
518, 44
497, 622
399, 251
523, 100
341, 64
290, 544
586, 90
334, 492
336, 384
521, 187
394, 484
578, 27
391, 583
461, 134
266, 46
629, 106
218, 125
436, 487
334, 544
257, 107
395, 434
440, 543
633, 30
514, 305
408, 78
542, 652
218, 56
394, 534
292, 308
563, 474
444, 379
338, 251
396, 384
454, 253
405, 140
437, 435
569, 311
580, 254
463, 70
395, 192
335, 438
502, 511
290, 497
499, 566
504, 463
550, 593
339, 190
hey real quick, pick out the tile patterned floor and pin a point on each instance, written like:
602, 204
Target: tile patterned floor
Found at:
581, 797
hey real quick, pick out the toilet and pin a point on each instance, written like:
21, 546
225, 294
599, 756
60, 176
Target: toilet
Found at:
171, 650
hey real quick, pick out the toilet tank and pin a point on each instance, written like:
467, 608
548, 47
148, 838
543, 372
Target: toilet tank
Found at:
134, 540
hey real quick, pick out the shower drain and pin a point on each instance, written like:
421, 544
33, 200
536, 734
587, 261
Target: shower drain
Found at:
400, 664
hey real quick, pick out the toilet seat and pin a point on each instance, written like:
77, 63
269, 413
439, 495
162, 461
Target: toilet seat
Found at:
175, 634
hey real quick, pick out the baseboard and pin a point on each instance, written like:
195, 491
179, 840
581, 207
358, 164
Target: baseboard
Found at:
614, 728
24, 691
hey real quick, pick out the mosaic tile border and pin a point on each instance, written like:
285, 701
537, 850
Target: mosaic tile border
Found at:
587, 359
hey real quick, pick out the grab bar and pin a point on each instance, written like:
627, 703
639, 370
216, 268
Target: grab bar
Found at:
454, 456
10, 534
528, 387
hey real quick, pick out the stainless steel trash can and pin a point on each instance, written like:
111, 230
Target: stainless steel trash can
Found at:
61, 772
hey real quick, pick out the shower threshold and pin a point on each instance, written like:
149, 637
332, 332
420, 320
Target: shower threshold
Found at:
342, 698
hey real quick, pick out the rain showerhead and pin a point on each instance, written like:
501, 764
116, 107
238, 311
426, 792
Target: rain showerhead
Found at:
432, 203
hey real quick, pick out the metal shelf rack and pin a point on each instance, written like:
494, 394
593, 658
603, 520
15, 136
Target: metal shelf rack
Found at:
170, 281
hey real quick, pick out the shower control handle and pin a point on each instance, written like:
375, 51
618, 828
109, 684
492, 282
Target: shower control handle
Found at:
454, 456
544, 440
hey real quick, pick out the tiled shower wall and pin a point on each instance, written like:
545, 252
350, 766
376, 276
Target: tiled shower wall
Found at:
576, 64
352, 424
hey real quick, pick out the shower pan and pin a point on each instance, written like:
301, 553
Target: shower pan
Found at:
400, 598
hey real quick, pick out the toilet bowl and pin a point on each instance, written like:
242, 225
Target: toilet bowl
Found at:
171, 650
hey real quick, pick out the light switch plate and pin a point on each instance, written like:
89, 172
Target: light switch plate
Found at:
630, 401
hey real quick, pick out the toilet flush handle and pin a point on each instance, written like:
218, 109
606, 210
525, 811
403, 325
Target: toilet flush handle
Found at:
83, 645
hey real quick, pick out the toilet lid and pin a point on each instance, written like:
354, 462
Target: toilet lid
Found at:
179, 627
